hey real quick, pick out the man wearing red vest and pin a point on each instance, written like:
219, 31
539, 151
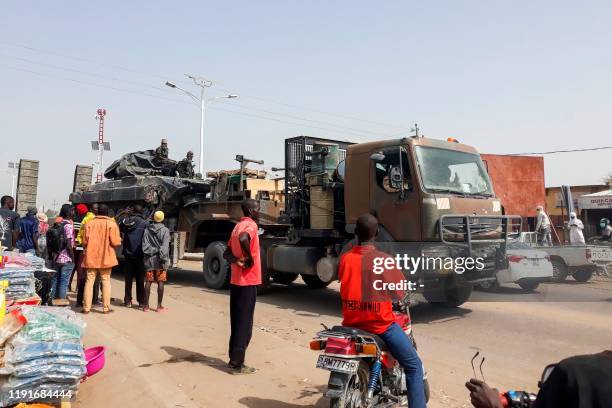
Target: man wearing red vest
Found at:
243, 254
367, 309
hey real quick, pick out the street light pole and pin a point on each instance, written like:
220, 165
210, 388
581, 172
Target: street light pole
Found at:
203, 83
13, 168
202, 111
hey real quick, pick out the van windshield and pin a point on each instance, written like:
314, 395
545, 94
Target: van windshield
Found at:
452, 171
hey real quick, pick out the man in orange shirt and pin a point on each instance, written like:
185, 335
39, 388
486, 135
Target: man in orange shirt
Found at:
367, 309
100, 240
243, 254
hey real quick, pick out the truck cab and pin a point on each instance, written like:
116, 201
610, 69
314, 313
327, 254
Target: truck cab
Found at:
433, 199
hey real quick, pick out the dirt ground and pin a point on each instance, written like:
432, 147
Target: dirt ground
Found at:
178, 358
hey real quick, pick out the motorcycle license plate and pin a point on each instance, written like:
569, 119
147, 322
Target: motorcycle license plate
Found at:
337, 364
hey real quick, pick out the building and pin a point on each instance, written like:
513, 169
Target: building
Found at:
594, 207
555, 208
519, 183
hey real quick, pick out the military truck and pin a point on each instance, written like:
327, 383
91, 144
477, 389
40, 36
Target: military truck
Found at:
433, 198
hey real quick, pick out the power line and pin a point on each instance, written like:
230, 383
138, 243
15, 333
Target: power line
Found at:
354, 131
361, 132
118, 67
84, 72
96, 85
321, 112
57, 54
589, 149
168, 99
335, 128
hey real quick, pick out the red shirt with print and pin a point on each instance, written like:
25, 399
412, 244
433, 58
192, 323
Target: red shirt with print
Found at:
245, 276
364, 307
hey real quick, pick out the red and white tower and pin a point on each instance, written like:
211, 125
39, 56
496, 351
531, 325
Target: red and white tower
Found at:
100, 145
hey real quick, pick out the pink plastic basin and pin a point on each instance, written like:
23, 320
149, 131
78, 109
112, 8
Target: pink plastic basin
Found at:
95, 359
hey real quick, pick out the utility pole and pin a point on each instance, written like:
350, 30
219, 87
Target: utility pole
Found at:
100, 145
203, 83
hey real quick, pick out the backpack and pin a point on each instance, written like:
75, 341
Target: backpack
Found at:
56, 238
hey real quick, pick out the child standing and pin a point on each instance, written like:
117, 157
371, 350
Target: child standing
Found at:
156, 250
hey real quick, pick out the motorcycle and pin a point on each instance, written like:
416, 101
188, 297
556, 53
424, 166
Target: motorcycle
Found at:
363, 372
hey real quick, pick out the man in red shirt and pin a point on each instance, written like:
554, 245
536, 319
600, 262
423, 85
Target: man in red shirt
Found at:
243, 254
371, 310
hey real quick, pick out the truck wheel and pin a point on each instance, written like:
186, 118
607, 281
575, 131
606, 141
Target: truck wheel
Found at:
314, 282
489, 286
582, 275
216, 269
559, 270
528, 285
283, 278
265, 273
449, 295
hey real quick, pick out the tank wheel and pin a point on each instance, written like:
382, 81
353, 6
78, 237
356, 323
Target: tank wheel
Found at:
216, 269
559, 270
283, 278
314, 282
582, 275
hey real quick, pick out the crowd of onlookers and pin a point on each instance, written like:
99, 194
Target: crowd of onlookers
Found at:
82, 241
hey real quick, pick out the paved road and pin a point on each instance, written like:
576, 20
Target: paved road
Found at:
178, 358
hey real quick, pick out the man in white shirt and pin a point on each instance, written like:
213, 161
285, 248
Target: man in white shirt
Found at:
575, 230
543, 227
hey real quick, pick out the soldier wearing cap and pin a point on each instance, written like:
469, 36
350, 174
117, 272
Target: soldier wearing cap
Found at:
161, 152
184, 168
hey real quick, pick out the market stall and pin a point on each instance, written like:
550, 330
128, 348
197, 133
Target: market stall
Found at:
42, 357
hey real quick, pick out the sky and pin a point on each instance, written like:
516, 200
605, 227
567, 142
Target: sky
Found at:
505, 77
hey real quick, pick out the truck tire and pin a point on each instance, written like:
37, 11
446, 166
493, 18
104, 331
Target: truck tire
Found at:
559, 270
265, 273
450, 294
283, 278
528, 285
314, 282
216, 269
489, 286
582, 275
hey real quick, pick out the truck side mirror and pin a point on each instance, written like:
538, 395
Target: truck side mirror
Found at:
377, 157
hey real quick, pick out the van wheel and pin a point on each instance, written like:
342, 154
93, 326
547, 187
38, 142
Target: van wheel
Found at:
283, 278
314, 282
559, 270
582, 275
216, 269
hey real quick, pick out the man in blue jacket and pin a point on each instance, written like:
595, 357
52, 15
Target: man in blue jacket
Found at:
132, 228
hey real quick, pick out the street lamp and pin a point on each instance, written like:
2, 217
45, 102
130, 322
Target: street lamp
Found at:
203, 83
13, 168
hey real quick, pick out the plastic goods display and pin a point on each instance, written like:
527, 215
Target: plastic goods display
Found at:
45, 355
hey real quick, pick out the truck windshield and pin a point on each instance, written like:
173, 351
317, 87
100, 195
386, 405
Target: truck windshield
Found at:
452, 171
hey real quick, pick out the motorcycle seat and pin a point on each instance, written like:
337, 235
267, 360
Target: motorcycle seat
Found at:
358, 332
